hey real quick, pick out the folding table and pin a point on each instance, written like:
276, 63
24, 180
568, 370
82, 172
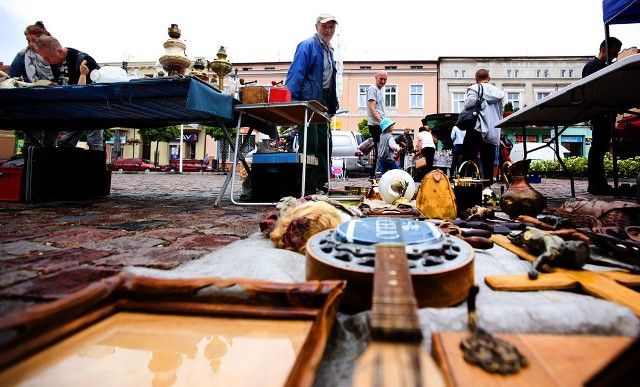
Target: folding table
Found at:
283, 113
612, 90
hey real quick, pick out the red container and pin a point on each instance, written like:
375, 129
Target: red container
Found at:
279, 94
11, 184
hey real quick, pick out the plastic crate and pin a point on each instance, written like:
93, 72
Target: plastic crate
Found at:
271, 182
272, 158
11, 184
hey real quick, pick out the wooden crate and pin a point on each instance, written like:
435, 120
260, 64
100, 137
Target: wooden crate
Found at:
254, 94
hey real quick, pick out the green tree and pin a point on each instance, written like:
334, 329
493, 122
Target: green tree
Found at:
218, 135
164, 134
363, 128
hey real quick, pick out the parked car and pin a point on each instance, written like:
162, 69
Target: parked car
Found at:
133, 165
188, 165
544, 153
345, 145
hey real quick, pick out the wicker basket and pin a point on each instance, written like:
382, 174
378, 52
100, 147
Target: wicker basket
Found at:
582, 212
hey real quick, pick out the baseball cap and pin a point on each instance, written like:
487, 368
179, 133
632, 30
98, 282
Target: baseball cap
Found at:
385, 123
326, 17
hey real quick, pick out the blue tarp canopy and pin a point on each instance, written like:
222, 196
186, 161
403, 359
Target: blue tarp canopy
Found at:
143, 103
620, 11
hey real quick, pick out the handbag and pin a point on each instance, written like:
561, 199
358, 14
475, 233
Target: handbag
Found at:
435, 198
468, 186
421, 162
468, 118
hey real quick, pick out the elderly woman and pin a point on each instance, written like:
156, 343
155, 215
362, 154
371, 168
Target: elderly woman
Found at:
31, 67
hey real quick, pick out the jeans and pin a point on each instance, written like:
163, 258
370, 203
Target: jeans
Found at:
318, 139
94, 139
386, 165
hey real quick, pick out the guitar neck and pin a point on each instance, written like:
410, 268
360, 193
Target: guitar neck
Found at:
394, 308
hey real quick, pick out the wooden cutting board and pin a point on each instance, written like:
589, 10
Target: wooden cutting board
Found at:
554, 360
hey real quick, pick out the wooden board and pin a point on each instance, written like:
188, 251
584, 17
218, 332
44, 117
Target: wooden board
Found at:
611, 286
554, 360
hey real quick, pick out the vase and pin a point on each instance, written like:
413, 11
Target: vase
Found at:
521, 198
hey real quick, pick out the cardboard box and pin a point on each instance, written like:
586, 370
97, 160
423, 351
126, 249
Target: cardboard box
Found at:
12, 184
254, 94
279, 94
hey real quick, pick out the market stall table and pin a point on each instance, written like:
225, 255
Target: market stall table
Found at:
612, 90
286, 113
139, 103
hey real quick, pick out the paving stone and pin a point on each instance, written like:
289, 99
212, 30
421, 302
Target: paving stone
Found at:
53, 261
136, 226
126, 243
12, 277
79, 235
59, 284
155, 257
168, 234
210, 242
7, 250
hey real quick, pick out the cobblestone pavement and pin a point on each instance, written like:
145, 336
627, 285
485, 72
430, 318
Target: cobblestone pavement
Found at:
158, 220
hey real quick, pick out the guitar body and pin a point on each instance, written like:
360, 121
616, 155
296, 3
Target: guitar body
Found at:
396, 364
441, 266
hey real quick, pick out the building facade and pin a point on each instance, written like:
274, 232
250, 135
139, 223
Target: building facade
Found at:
414, 89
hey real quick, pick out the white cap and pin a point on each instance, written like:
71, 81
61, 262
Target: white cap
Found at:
326, 17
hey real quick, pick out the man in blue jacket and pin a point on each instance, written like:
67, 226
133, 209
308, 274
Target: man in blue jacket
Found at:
312, 76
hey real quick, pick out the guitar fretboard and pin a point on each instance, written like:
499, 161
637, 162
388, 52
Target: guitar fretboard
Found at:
394, 308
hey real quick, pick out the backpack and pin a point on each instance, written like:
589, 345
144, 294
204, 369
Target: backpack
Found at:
435, 198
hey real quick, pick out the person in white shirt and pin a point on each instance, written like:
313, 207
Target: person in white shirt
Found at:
427, 146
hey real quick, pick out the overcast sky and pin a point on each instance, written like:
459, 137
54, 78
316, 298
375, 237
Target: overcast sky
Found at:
262, 31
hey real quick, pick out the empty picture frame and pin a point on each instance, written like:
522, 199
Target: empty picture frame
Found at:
140, 330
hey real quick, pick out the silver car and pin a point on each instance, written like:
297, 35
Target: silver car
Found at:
345, 146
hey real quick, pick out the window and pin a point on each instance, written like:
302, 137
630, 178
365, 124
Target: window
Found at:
457, 102
542, 73
416, 67
513, 73
566, 73
390, 67
269, 68
365, 67
541, 94
514, 98
459, 73
362, 96
417, 96
391, 96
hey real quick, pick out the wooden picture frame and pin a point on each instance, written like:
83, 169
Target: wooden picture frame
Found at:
43, 335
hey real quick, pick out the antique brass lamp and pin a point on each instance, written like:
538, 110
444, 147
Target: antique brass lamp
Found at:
221, 66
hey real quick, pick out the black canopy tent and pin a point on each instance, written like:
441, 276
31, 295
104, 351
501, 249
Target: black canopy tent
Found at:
614, 89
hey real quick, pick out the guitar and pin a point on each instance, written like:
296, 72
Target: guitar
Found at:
395, 356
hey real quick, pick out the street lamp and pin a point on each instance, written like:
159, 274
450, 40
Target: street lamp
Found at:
335, 117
